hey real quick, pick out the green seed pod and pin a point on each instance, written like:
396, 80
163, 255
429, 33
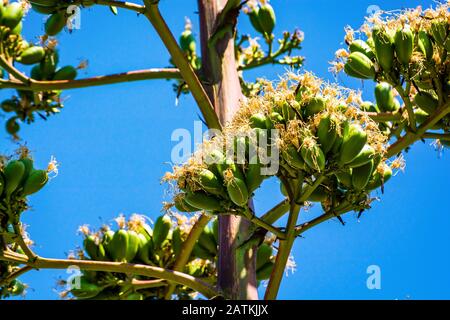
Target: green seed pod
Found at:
439, 32
254, 19
43, 8
368, 106
65, 73
18, 29
426, 102
314, 106
380, 177
361, 175
12, 14
177, 242
366, 155
182, 205
421, 116
200, 252
13, 174
135, 296
287, 111
117, 247
161, 230
234, 168
319, 194
313, 156
207, 242
210, 183
28, 163
215, 160
95, 250
326, 133
48, 64
258, 120
203, 201
293, 158
363, 47
215, 230
385, 97
253, 176
359, 66
353, 143
267, 19
145, 252
18, 288
342, 132
86, 290
36, 73
265, 271
425, 45
55, 23
345, 177
404, 44
35, 182
384, 48
263, 255
133, 245
276, 118
237, 191
9, 105
187, 42
31, 55
12, 126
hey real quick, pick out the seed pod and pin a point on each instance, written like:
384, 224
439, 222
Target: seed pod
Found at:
177, 242
187, 42
404, 44
35, 182
385, 97
313, 156
182, 205
202, 201
28, 163
384, 48
215, 160
133, 245
210, 183
18, 288
353, 143
161, 230
265, 271
258, 120
366, 155
266, 17
363, 47
319, 194
361, 175
439, 32
276, 118
359, 66
86, 289
65, 73
135, 296
237, 191
206, 241
315, 105
344, 177
235, 169
215, 230
9, 105
36, 73
380, 177
263, 255
31, 55
145, 252
95, 250
287, 111
342, 132
426, 102
326, 133
254, 19
425, 45
13, 174
12, 14
55, 23
368, 106
48, 64
117, 247
200, 252
253, 176
12, 127
17, 29
293, 159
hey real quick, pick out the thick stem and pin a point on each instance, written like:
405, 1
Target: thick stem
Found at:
236, 269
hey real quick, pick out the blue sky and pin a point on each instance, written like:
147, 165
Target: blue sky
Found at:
113, 144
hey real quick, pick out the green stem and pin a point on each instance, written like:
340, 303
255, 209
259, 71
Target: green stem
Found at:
404, 94
121, 4
440, 136
276, 212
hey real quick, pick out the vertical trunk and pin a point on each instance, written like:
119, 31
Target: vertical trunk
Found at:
236, 270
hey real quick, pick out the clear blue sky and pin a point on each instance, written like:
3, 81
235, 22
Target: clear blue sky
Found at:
113, 144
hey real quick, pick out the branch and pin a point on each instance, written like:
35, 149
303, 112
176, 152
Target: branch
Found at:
136, 269
121, 4
15, 275
198, 91
148, 284
12, 70
276, 212
384, 116
440, 136
33, 85
404, 94
186, 249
